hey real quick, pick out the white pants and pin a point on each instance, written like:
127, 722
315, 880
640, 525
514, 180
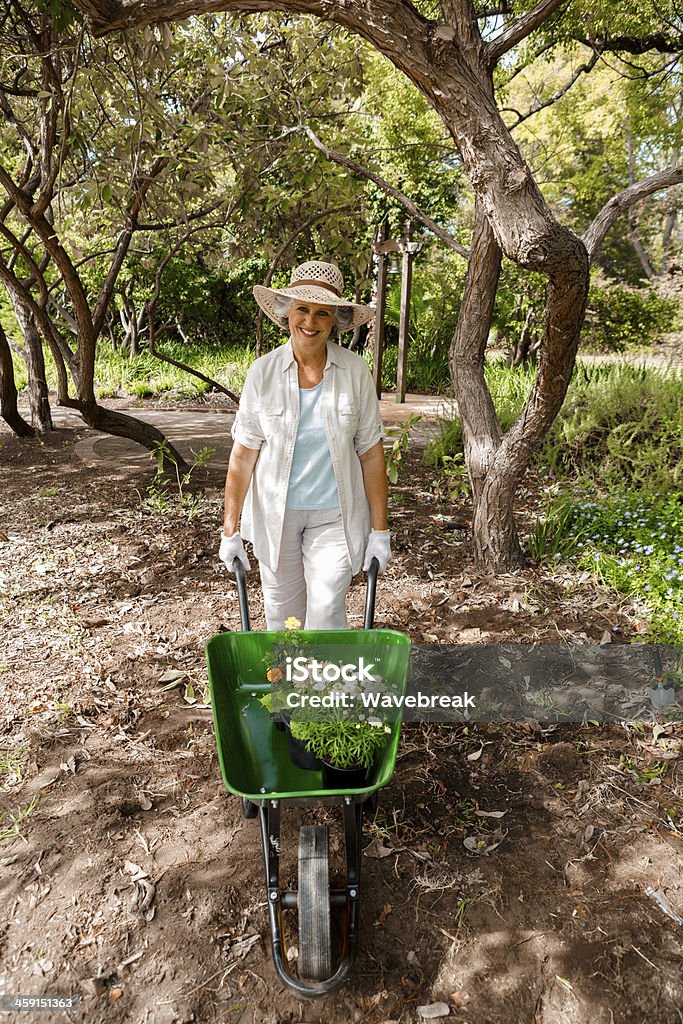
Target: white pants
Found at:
313, 574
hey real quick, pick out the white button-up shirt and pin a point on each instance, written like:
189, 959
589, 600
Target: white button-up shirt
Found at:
268, 419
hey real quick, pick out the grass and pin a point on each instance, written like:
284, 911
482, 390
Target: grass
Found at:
144, 376
11, 824
620, 424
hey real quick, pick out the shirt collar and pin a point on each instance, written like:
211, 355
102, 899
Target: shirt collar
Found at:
332, 355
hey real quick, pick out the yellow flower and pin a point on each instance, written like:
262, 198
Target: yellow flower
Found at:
292, 623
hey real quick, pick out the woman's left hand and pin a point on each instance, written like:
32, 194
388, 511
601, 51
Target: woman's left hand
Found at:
379, 547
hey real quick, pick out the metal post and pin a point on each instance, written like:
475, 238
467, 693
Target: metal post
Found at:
406, 280
378, 349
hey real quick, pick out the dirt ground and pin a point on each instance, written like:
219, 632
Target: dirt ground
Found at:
128, 875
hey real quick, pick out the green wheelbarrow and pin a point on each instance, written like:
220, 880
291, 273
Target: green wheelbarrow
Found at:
256, 767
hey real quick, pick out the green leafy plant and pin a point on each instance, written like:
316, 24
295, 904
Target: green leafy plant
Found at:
619, 317
400, 438
343, 744
159, 496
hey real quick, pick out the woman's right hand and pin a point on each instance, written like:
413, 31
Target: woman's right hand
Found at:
232, 548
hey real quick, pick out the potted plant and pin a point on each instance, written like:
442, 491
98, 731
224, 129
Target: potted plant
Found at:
346, 749
343, 736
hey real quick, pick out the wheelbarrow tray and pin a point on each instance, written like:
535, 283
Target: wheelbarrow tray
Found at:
254, 755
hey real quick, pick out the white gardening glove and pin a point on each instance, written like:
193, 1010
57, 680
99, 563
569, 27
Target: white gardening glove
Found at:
379, 547
231, 548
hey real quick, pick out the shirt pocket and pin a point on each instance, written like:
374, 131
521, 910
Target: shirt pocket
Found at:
272, 420
349, 414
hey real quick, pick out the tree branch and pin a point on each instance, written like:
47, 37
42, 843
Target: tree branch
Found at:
519, 30
595, 235
635, 44
407, 203
556, 96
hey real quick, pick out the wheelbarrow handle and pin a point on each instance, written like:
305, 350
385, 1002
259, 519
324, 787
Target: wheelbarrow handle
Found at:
241, 578
370, 596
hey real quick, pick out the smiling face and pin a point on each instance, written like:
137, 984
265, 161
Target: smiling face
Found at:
310, 324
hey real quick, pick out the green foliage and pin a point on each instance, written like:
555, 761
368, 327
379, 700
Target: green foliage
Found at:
400, 438
632, 542
427, 370
166, 495
446, 444
145, 376
434, 302
342, 744
618, 317
520, 294
620, 425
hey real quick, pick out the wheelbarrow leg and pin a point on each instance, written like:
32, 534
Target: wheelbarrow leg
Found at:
269, 814
353, 828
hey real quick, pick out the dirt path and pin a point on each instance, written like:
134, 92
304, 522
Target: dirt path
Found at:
506, 872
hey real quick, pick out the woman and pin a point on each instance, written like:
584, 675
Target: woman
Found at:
306, 471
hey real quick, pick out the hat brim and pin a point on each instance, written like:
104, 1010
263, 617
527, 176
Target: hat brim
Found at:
265, 297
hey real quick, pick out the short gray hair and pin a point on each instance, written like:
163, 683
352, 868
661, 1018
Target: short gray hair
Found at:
343, 315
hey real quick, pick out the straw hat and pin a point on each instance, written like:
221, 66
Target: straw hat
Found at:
322, 283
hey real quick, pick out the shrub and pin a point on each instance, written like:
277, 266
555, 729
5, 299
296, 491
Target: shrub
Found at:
620, 425
618, 317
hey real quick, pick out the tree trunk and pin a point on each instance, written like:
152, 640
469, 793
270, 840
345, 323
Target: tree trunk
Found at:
8, 392
525, 345
496, 542
121, 425
39, 400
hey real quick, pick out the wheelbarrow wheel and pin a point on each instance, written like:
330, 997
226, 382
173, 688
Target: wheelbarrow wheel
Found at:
315, 941
249, 809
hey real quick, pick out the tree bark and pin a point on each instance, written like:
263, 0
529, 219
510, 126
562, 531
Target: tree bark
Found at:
495, 538
39, 400
8, 392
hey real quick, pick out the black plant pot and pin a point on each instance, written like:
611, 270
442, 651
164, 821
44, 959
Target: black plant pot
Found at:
298, 755
345, 778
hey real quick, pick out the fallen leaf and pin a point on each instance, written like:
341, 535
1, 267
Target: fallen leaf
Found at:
433, 1010
378, 850
490, 814
475, 755
384, 913
172, 677
135, 870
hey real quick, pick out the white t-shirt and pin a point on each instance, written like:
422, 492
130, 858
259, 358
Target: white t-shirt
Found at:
311, 479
